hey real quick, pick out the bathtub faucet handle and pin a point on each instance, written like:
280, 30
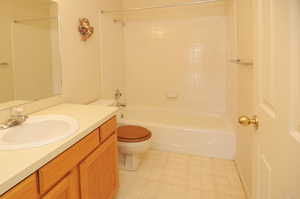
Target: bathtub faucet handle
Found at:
121, 105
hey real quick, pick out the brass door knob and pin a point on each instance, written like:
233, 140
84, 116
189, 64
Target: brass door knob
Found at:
246, 121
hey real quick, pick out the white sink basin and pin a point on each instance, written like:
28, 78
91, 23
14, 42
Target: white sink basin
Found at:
38, 131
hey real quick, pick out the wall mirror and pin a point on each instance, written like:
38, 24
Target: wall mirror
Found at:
30, 65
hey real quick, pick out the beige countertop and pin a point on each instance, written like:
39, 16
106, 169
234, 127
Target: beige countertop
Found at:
18, 164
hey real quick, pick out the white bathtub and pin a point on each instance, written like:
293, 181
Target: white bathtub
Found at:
200, 135
182, 132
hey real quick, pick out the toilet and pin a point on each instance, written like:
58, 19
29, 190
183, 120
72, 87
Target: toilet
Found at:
133, 142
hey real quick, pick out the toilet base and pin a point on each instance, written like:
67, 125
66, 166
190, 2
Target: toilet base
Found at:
130, 162
131, 154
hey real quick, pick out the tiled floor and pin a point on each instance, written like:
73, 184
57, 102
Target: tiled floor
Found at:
165, 175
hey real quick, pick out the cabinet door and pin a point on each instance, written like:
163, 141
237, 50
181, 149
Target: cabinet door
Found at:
99, 172
55, 170
24, 190
67, 188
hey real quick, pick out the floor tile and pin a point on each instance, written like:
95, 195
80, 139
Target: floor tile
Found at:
166, 175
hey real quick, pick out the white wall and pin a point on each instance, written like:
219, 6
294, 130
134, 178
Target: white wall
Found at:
80, 59
55, 51
112, 51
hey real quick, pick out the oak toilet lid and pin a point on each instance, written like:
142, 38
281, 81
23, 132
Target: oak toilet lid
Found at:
131, 133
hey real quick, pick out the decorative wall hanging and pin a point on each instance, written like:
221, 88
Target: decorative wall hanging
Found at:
85, 29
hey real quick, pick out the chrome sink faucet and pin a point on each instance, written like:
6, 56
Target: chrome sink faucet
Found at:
17, 118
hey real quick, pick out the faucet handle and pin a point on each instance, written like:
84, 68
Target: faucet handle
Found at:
118, 94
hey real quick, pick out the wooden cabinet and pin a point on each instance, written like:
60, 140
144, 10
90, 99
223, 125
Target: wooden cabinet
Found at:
108, 128
98, 173
26, 189
67, 188
87, 170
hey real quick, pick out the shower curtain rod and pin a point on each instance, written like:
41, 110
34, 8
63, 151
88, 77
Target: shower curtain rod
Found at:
155, 7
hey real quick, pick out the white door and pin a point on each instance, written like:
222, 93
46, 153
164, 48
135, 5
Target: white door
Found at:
277, 152
244, 26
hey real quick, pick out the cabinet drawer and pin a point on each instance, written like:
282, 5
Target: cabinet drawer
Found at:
26, 189
52, 172
108, 128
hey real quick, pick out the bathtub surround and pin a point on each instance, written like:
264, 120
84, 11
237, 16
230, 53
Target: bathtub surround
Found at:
179, 56
172, 58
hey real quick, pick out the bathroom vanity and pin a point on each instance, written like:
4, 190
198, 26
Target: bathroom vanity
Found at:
82, 166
